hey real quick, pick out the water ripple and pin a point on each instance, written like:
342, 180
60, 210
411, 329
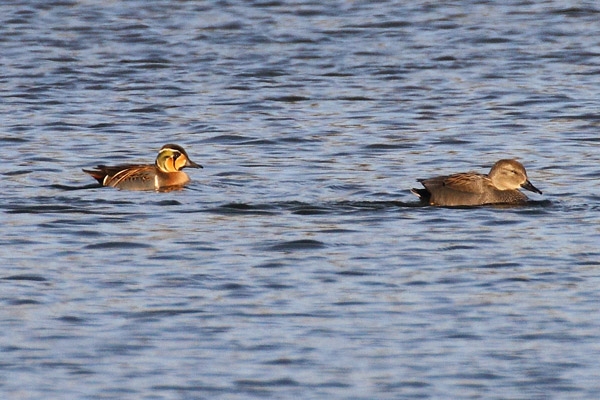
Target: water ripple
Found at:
298, 254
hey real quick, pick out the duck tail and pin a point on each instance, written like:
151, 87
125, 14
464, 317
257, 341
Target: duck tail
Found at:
97, 174
422, 194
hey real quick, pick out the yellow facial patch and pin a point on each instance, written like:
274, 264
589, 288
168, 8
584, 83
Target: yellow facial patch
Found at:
171, 160
171, 164
180, 162
164, 160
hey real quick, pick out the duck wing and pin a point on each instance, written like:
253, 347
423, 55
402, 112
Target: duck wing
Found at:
454, 190
466, 182
113, 175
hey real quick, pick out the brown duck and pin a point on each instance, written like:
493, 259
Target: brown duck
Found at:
472, 189
165, 174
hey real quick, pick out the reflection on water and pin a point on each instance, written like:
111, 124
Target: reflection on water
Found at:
297, 263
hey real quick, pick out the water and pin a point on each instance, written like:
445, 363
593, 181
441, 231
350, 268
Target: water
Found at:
297, 263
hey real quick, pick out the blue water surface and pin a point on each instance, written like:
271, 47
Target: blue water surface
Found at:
297, 264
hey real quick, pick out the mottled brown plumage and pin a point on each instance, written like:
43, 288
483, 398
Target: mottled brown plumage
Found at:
471, 188
165, 174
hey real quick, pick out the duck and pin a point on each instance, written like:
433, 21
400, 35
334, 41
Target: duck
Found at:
499, 186
165, 174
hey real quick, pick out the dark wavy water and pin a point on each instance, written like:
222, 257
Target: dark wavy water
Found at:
297, 264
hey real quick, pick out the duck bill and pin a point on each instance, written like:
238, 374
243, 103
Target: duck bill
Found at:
528, 186
191, 164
